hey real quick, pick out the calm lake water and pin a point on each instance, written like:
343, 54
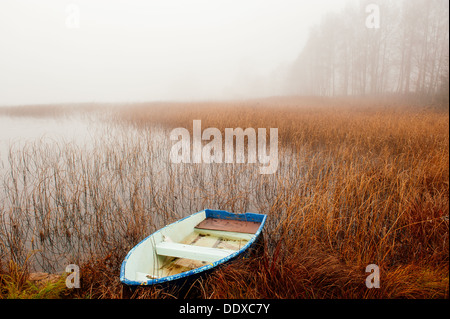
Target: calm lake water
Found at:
17, 131
22, 134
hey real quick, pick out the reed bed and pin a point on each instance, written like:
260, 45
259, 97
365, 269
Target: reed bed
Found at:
359, 182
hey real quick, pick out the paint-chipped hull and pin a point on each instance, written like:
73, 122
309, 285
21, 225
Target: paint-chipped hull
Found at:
144, 266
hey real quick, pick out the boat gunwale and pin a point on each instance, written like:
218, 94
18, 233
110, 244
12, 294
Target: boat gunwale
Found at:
208, 213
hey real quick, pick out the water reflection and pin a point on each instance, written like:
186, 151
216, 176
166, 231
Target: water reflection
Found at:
16, 131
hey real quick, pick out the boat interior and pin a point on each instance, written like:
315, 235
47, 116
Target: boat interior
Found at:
209, 240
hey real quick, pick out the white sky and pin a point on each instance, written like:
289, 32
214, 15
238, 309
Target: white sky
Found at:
144, 50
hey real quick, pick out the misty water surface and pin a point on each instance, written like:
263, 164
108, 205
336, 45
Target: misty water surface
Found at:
17, 131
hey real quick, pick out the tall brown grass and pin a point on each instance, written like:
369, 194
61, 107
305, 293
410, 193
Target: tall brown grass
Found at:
359, 182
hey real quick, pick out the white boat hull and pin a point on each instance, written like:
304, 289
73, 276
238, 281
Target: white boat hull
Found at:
180, 250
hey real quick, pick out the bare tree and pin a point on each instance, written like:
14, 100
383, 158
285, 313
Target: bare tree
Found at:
406, 54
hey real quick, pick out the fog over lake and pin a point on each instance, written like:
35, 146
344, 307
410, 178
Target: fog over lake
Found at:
137, 50
330, 117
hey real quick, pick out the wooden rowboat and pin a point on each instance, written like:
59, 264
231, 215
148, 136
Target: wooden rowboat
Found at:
191, 246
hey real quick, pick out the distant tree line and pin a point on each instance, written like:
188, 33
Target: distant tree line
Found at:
401, 48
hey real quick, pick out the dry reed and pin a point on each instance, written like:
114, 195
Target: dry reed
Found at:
357, 183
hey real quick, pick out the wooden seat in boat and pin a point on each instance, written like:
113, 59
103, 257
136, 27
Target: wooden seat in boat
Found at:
192, 252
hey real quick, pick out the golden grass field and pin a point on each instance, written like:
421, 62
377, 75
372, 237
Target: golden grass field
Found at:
359, 182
